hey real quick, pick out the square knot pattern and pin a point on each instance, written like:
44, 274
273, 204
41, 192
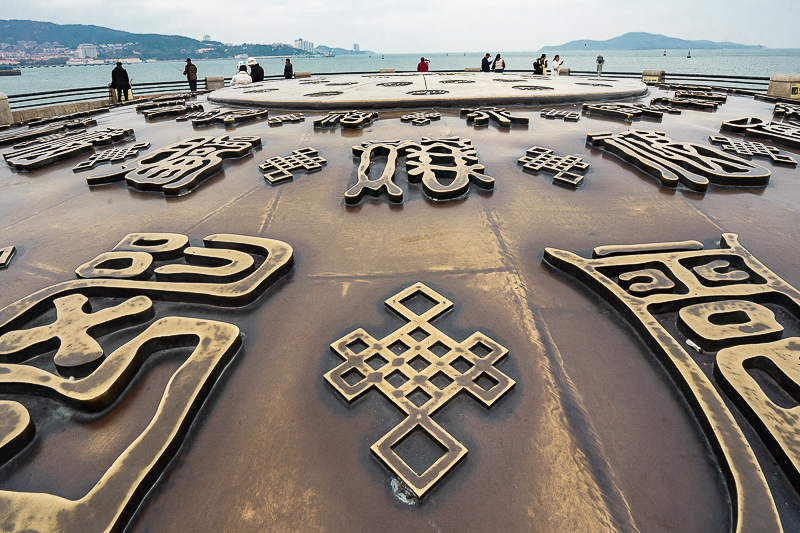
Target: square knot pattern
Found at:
278, 169
692, 165
569, 116
422, 118
785, 133
419, 369
112, 155
564, 169
445, 166
750, 149
480, 116
347, 119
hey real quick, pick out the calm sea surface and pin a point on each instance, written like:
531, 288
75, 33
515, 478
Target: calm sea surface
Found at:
727, 62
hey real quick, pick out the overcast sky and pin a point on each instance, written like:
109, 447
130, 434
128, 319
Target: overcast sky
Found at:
428, 26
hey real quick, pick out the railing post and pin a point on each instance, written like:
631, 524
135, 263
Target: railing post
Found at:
5, 110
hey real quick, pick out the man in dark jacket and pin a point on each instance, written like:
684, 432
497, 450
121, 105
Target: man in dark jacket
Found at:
120, 81
191, 74
288, 70
485, 67
256, 71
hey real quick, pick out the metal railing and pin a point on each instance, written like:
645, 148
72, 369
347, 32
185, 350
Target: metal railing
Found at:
753, 84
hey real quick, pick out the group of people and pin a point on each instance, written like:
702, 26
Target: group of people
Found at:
257, 72
498, 65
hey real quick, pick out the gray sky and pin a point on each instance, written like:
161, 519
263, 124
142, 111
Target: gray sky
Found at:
427, 26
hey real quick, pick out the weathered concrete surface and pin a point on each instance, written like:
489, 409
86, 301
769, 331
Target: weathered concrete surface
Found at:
460, 89
594, 437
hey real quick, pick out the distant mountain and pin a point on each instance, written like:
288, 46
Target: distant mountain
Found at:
145, 46
647, 41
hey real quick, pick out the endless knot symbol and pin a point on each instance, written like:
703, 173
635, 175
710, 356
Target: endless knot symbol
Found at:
6, 254
348, 119
160, 112
572, 116
219, 116
692, 103
532, 88
179, 168
692, 165
737, 316
702, 95
48, 150
392, 83
323, 94
480, 116
786, 133
113, 155
277, 169
628, 112
280, 119
787, 111
541, 159
422, 118
452, 159
419, 369
750, 149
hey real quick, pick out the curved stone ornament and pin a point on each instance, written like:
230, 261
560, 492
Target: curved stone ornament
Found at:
692, 165
6, 254
717, 300
419, 369
90, 379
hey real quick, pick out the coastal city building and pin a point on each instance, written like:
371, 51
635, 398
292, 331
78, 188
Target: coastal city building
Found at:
305, 46
87, 51
356, 48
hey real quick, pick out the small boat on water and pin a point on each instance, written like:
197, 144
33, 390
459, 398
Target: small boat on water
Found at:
6, 70
689, 56
665, 53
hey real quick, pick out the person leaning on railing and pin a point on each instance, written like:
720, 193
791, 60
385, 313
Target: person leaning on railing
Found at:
120, 81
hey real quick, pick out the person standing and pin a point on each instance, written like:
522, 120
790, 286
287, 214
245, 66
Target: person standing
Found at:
540, 65
191, 74
557, 64
485, 66
423, 65
120, 81
600, 61
498, 65
241, 77
288, 70
256, 71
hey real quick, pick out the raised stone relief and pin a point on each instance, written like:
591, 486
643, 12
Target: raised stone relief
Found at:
347, 119
6, 254
335, 84
268, 90
785, 133
629, 112
687, 103
224, 117
392, 83
419, 369
19, 135
502, 118
702, 95
90, 371
323, 94
694, 307
445, 166
532, 88
787, 111
749, 150
569, 116
179, 168
692, 165
424, 92
456, 81
279, 120
112, 155
422, 118
45, 151
164, 101
278, 169
564, 169
168, 111
70, 117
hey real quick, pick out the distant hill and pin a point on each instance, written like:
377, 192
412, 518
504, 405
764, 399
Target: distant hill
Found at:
647, 41
341, 51
145, 46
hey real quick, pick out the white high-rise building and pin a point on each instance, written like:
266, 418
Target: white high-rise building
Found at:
87, 51
206, 37
356, 48
305, 46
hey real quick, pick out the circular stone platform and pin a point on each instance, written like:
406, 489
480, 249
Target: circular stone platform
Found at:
360, 91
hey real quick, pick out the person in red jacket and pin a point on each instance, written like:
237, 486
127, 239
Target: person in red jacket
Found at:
423, 65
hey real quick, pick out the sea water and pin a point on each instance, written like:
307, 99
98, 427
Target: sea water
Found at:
762, 62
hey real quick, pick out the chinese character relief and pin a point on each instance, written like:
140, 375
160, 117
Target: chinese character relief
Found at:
785, 133
692, 165
570, 116
347, 119
419, 369
480, 116
702, 95
787, 111
733, 311
280, 119
70, 117
278, 169
164, 101
166, 111
687, 103
445, 166
6, 254
220, 116
45, 151
748, 149
628, 112
539, 159
19, 135
113, 155
181, 167
421, 118
89, 375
